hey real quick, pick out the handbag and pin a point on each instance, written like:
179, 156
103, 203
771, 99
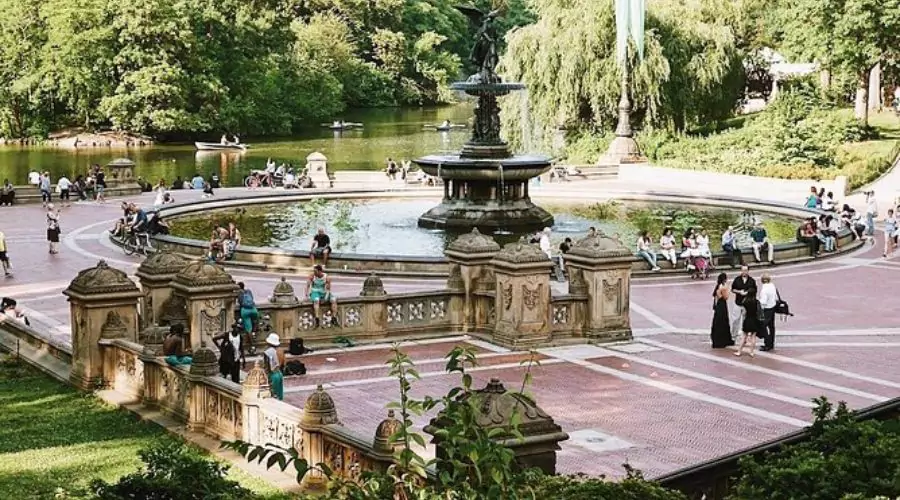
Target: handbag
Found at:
781, 306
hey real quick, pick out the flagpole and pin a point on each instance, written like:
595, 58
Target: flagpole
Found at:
623, 128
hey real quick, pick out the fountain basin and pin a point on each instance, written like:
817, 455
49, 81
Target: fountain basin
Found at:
516, 168
478, 88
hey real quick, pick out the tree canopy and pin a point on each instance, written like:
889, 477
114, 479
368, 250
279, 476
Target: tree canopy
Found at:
181, 67
691, 71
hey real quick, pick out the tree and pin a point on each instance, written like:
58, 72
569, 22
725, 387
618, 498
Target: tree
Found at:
690, 74
844, 36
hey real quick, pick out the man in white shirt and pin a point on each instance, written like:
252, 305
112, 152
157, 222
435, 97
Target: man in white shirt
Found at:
34, 178
545, 242
768, 297
729, 246
871, 213
63, 185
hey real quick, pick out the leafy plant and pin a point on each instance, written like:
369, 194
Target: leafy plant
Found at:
843, 456
344, 341
174, 472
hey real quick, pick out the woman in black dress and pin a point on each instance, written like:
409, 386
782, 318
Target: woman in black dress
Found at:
721, 329
753, 322
53, 228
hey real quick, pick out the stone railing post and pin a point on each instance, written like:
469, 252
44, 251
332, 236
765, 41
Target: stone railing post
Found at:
208, 293
103, 303
600, 267
469, 257
374, 309
522, 302
204, 364
540, 435
318, 411
283, 310
156, 274
254, 389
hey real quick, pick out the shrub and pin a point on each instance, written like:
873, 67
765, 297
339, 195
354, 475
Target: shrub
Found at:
842, 457
173, 471
580, 487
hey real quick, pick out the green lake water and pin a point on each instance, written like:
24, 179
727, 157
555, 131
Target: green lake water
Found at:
394, 132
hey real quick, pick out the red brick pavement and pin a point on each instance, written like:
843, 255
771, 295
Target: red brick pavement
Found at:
670, 419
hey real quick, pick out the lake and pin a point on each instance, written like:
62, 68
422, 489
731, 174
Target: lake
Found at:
398, 133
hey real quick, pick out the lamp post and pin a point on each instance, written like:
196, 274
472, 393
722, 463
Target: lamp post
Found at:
629, 23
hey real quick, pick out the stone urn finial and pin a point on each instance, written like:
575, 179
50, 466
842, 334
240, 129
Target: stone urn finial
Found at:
100, 280
387, 428
161, 265
598, 246
472, 245
256, 383
153, 342
204, 363
496, 408
372, 287
319, 409
283, 293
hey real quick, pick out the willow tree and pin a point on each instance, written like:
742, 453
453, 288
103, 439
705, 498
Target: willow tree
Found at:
690, 72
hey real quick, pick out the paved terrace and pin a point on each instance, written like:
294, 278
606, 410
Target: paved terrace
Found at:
660, 403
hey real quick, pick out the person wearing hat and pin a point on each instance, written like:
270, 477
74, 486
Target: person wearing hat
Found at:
273, 357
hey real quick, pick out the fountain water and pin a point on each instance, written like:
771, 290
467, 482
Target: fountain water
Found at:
488, 186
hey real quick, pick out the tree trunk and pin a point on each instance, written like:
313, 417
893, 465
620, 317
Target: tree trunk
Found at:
862, 97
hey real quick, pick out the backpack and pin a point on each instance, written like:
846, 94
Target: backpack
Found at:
294, 368
247, 300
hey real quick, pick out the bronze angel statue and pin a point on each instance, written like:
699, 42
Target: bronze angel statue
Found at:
484, 52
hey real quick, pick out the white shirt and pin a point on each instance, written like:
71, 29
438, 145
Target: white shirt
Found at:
827, 204
643, 245
703, 244
545, 245
63, 183
236, 342
34, 178
768, 295
872, 206
667, 242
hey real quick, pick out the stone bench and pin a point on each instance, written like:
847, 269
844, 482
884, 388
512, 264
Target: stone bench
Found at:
31, 194
567, 172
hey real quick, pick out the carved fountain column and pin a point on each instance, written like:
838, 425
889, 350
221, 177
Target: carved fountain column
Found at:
103, 303
208, 293
283, 310
522, 303
471, 274
601, 267
156, 274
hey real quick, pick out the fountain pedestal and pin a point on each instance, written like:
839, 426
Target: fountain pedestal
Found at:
484, 186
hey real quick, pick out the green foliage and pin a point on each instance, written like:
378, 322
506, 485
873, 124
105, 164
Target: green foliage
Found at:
633, 487
691, 72
842, 457
173, 472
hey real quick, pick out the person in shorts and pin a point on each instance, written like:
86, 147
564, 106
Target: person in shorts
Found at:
4, 258
321, 247
319, 287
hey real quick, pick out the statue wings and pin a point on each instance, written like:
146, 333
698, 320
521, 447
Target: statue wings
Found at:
475, 15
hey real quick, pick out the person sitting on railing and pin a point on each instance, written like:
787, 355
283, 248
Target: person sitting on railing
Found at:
216, 243
319, 287
173, 347
8, 310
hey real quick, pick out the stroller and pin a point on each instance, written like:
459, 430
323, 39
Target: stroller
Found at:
698, 266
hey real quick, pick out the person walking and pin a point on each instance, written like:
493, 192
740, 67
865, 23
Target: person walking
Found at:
752, 324
4, 258
63, 185
249, 313
768, 298
720, 333
871, 214
46, 194
890, 227
740, 288
53, 228
100, 186
273, 357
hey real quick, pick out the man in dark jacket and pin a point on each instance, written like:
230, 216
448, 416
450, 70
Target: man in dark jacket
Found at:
739, 288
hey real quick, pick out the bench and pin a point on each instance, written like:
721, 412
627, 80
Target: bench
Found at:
563, 172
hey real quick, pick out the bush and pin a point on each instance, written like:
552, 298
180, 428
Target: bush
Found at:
174, 472
580, 487
843, 458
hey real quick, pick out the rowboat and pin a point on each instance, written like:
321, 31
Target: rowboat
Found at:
445, 128
342, 126
218, 146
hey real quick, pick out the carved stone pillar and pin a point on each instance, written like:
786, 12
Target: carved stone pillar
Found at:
156, 274
318, 411
522, 303
103, 303
601, 267
469, 256
374, 309
254, 388
208, 293
204, 364
283, 310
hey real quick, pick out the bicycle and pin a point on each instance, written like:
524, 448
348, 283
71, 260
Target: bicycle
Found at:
137, 242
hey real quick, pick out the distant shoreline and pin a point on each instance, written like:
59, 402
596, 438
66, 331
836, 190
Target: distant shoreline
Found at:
77, 138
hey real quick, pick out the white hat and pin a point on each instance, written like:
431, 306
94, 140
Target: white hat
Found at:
273, 340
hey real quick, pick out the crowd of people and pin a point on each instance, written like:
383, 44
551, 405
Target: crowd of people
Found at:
752, 314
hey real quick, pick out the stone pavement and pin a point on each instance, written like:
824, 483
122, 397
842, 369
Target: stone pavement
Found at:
662, 402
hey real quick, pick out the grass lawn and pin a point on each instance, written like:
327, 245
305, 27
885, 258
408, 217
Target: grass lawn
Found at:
54, 437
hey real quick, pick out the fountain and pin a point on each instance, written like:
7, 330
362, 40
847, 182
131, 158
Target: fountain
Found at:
484, 185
